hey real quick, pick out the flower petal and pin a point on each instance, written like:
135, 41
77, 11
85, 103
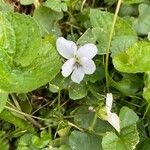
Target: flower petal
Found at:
77, 75
68, 67
66, 48
87, 50
113, 119
88, 65
109, 101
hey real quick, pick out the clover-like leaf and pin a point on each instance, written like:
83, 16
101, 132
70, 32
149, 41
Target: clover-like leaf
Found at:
26, 60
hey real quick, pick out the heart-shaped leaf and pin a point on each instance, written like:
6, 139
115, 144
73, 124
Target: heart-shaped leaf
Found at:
26, 60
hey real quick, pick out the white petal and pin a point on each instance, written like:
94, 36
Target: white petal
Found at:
77, 75
88, 65
87, 50
66, 48
113, 119
109, 101
68, 67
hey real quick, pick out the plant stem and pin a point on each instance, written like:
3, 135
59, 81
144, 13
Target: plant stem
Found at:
109, 43
26, 115
59, 109
84, 1
93, 122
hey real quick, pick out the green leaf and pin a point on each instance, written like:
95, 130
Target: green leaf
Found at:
77, 91
26, 60
124, 36
127, 117
26, 2
126, 141
24, 143
128, 137
5, 6
79, 140
56, 5
142, 23
42, 141
3, 100
135, 59
87, 37
47, 20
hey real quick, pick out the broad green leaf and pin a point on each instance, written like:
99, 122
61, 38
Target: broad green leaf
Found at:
135, 59
84, 118
77, 91
124, 36
26, 60
26, 2
127, 117
87, 37
142, 23
128, 137
17, 121
3, 100
56, 5
83, 141
102, 37
47, 20
5, 6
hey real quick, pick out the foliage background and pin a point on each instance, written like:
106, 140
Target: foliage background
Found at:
42, 110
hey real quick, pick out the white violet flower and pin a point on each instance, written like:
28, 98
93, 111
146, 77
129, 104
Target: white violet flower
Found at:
112, 118
79, 60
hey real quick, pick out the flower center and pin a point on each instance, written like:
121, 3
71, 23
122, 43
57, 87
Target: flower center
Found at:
77, 60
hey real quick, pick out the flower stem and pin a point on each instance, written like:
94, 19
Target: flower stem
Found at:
109, 43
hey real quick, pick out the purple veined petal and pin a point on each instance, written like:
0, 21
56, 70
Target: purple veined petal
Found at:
78, 74
109, 101
87, 50
88, 65
66, 48
68, 67
113, 119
